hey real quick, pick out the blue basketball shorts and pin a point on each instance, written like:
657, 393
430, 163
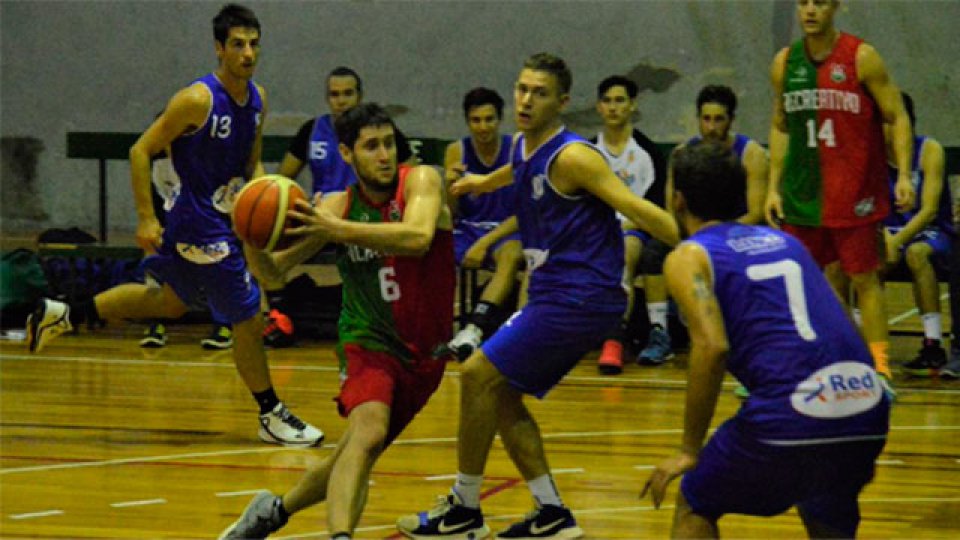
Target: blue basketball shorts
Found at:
938, 241
467, 234
542, 342
225, 286
644, 236
737, 474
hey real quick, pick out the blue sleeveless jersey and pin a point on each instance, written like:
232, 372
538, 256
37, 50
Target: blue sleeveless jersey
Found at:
212, 166
486, 208
330, 172
573, 244
740, 143
809, 373
944, 218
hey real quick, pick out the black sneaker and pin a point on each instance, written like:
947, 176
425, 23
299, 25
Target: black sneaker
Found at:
154, 337
547, 521
221, 337
932, 357
448, 519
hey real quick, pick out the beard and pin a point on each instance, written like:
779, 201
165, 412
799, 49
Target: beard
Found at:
377, 187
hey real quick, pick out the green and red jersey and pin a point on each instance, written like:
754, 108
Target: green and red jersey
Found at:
401, 305
835, 168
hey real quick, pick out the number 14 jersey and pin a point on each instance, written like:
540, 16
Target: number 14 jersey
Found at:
835, 168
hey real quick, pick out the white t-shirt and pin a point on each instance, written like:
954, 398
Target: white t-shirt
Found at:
633, 165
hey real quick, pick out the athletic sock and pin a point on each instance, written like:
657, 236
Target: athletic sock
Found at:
84, 312
878, 349
932, 327
544, 490
267, 400
467, 487
486, 317
657, 311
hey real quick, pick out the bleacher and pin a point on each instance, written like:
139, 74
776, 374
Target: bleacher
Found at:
102, 147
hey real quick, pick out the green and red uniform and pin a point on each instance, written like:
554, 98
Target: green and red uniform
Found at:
397, 315
835, 169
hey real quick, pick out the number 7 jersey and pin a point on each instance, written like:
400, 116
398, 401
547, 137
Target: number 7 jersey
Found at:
397, 304
835, 169
809, 373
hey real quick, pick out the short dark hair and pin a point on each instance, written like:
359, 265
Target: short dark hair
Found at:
908, 105
712, 180
718, 93
554, 65
618, 80
233, 16
344, 71
354, 119
482, 96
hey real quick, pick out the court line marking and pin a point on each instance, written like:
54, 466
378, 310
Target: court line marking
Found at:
911, 312
143, 502
644, 467
611, 510
237, 493
402, 442
32, 515
575, 470
611, 381
890, 462
500, 517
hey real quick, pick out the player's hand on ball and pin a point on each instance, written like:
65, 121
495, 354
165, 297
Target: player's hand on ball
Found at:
312, 220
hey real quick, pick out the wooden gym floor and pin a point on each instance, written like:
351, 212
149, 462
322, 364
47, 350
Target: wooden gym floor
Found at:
102, 439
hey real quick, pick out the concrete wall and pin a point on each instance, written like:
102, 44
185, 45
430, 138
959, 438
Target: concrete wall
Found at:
111, 65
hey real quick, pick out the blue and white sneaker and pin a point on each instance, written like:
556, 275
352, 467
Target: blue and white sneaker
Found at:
448, 519
547, 521
50, 319
658, 349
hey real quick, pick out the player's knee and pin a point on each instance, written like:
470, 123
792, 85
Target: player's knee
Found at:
917, 256
865, 282
478, 373
170, 304
369, 427
370, 438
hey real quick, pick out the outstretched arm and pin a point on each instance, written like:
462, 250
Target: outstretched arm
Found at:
580, 167
690, 283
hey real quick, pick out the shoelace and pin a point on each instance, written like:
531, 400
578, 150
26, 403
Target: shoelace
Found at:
443, 504
290, 419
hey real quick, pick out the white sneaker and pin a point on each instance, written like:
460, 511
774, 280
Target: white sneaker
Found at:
280, 426
50, 319
466, 341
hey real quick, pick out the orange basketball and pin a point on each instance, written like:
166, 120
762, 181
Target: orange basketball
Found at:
260, 210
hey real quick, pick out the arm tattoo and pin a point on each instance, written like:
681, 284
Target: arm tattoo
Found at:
700, 289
